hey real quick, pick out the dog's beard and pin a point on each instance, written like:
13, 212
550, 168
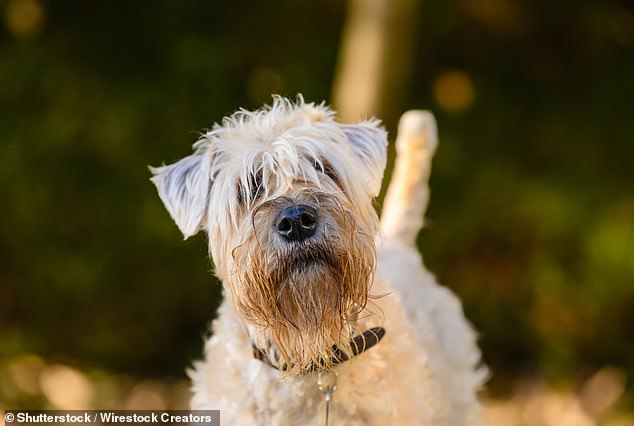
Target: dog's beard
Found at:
304, 297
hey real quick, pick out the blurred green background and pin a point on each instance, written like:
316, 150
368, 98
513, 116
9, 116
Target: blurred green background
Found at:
532, 213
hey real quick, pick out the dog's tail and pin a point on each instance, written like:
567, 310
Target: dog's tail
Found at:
408, 194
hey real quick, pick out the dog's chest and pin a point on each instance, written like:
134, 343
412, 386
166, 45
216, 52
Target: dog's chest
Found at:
358, 399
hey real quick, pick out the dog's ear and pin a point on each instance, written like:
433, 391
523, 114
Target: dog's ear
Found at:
368, 141
184, 188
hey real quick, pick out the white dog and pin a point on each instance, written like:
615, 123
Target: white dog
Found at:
328, 313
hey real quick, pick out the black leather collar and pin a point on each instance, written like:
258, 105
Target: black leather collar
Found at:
358, 345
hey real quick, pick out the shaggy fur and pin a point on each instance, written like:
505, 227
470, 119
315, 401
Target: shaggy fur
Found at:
300, 302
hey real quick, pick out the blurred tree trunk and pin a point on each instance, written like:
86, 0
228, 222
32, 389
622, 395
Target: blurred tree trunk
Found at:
374, 63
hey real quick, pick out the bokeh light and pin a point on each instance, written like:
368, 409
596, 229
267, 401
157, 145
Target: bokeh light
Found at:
454, 91
24, 18
66, 388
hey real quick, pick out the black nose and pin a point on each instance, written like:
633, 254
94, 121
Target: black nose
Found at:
297, 223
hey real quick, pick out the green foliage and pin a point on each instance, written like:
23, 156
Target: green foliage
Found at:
532, 212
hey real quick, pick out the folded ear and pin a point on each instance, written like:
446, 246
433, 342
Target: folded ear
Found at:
368, 141
184, 189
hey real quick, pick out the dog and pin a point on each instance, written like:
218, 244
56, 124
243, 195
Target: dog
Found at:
329, 313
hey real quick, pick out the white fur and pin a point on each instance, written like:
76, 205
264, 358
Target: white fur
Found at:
286, 142
425, 370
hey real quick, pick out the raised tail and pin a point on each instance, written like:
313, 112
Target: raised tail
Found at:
408, 194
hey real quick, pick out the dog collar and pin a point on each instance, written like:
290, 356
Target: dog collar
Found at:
358, 345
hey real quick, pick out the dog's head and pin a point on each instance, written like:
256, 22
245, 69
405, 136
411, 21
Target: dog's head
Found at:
285, 195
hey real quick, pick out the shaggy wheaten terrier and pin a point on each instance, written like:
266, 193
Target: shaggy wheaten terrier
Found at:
328, 313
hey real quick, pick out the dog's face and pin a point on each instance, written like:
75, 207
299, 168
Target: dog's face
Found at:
285, 195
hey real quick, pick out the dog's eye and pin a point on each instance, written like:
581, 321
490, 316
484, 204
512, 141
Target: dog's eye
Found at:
255, 189
327, 169
256, 186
